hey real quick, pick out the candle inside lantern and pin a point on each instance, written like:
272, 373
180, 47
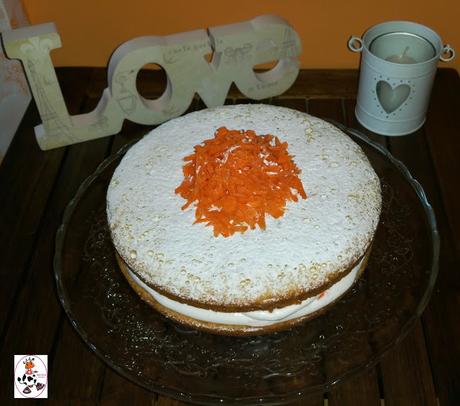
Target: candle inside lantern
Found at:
398, 66
402, 47
403, 58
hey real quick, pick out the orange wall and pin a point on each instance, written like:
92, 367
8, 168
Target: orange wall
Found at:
91, 29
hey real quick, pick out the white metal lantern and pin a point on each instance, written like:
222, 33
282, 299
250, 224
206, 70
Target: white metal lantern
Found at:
398, 65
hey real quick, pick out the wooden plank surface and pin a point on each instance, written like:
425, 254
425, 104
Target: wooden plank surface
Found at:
28, 284
443, 138
27, 177
422, 370
37, 322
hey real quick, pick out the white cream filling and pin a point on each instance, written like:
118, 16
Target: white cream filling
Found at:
258, 318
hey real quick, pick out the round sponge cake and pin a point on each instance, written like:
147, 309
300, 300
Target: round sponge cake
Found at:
258, 280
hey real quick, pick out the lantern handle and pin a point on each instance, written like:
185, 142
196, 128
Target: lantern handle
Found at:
353, 41
447, 49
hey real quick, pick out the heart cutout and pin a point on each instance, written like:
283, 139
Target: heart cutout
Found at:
391, 98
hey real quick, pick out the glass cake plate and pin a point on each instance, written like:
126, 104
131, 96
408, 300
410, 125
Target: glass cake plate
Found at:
199, 367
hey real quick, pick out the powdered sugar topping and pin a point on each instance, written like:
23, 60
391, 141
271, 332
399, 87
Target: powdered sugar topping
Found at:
299, 252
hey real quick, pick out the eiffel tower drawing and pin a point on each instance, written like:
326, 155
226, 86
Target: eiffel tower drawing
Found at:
53, 124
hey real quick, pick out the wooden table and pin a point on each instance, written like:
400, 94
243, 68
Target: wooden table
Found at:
36, 186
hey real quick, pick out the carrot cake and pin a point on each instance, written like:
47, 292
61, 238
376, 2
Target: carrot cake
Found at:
243, 219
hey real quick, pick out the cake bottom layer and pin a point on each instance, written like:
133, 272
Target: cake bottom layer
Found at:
243, 323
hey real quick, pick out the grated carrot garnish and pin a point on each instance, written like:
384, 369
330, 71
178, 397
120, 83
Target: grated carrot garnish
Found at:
238, 177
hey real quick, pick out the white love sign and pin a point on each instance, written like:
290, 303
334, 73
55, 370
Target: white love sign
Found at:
236, 49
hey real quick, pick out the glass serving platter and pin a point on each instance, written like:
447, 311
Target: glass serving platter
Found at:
193, 366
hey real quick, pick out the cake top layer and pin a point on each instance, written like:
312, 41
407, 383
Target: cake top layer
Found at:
314, 243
